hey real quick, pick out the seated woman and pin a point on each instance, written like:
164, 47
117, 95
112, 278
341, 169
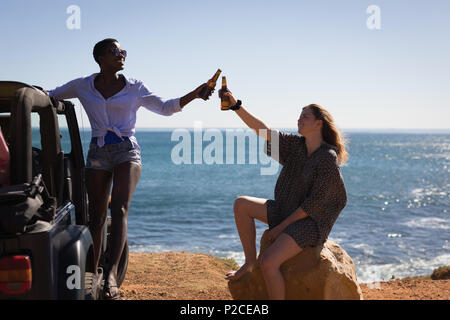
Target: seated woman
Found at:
309, 193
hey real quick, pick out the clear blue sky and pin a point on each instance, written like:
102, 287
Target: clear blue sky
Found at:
277, 55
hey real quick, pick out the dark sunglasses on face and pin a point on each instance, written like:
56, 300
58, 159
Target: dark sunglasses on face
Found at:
117, 52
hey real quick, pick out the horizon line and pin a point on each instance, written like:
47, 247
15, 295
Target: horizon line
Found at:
293, 128
369, 130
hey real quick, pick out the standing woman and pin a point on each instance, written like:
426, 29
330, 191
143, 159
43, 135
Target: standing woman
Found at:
309, 193
111, 101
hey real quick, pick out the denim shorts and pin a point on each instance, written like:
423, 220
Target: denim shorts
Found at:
111, 155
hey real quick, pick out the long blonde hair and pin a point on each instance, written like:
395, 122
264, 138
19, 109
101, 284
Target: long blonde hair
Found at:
330, 132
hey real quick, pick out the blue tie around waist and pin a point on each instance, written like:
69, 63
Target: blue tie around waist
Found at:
110, 138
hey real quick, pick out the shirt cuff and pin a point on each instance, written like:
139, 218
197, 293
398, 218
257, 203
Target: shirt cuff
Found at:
177, 106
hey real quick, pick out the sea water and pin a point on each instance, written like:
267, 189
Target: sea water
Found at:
396, 222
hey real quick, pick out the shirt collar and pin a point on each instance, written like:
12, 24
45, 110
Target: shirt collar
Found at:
92, 78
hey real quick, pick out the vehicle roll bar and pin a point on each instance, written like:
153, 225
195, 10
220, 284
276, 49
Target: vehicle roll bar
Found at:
26, 100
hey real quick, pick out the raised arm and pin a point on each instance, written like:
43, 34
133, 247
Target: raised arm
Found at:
154, 103
250, 120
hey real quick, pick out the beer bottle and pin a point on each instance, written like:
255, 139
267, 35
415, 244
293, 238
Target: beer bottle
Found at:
211, 84
224, 100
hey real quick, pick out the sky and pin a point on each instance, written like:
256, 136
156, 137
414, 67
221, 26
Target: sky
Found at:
383, 69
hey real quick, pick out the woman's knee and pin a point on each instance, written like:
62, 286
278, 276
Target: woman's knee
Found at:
241, 204
238, 204
120, 208
254, 208
97, 218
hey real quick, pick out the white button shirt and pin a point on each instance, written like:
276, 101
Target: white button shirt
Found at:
117, 113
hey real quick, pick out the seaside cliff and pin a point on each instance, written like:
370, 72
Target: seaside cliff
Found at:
199, 276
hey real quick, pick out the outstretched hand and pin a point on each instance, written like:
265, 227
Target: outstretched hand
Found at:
200, 88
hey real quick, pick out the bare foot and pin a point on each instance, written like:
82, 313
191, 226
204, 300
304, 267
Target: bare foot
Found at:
246, 267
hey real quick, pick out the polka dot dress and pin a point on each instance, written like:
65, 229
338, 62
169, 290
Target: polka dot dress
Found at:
313, 183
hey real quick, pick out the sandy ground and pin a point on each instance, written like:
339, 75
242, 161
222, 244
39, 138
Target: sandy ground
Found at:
197, 276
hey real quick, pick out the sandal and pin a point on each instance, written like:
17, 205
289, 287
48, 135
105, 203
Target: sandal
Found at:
110, 292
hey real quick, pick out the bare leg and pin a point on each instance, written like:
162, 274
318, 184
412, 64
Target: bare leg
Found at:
246, 209
126, 177
280, 251
98, 184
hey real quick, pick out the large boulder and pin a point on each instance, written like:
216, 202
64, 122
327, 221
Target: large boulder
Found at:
324, 272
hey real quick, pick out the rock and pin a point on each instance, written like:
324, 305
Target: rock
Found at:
441, 273
324, 272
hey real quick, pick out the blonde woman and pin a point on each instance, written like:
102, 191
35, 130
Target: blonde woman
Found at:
309, 193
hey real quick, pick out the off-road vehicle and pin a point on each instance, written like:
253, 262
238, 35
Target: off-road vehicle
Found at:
46, 249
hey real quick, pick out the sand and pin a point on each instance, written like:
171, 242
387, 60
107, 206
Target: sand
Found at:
198, 276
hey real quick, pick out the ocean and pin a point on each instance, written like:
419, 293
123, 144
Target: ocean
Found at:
396, 222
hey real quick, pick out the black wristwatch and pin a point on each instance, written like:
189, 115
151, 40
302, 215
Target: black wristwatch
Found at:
237, 106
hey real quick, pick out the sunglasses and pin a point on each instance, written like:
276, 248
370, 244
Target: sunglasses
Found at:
118, 52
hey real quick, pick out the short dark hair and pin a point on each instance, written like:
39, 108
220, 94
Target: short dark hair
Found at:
100, 48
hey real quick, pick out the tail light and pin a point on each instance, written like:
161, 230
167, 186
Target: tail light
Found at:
15, 274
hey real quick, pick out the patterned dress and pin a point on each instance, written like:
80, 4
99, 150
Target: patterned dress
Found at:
313, 183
